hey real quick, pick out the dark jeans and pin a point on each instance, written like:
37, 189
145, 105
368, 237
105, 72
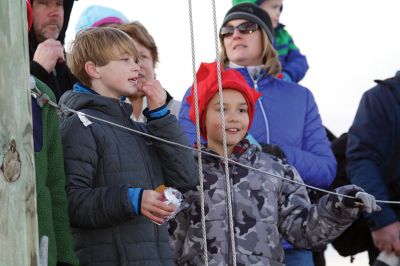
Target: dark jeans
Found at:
298, 257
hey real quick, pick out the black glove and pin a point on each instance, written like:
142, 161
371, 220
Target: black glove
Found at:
274, 150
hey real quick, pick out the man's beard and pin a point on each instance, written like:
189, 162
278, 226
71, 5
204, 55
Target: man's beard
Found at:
45, 33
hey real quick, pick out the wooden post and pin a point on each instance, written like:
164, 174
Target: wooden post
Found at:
18, 216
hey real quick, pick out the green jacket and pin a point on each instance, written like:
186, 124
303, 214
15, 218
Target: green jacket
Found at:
52, 208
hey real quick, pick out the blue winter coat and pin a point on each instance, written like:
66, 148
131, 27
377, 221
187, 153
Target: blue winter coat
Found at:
374, 135
286, 115
293, 62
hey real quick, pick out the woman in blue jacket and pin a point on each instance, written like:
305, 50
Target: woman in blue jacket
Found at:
286, 114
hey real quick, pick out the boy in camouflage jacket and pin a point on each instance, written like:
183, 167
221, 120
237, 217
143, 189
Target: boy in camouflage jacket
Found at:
265, 206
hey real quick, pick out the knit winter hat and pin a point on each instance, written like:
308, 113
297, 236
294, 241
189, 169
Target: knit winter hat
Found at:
253, 13
236, 2
94, 16
257, 2
207, 87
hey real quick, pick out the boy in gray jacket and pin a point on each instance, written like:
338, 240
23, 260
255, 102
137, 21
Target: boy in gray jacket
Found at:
111, 171
268, 201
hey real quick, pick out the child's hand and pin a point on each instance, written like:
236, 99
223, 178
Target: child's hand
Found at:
367, 201
153, 208
362, 200
155, 93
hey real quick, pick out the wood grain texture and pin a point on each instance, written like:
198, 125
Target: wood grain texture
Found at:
18, 218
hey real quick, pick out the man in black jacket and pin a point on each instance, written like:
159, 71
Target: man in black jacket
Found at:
46, 40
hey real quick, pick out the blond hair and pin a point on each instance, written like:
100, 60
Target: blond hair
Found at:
270, 58
99, 45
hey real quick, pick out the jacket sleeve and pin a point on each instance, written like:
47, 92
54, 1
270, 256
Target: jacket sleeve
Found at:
90, 206
38, 71
370, 141
180, 237
178, 232
314, 160
307, 225
178, 163
295, 63
188, 127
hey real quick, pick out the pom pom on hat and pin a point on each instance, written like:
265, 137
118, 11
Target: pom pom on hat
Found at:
207, 87
94, 16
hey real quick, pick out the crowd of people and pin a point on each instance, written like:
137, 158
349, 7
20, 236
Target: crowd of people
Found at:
97, 175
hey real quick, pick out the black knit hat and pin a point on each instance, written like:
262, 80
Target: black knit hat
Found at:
253, 13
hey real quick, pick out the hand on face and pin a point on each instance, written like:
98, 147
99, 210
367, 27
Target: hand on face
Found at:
155, 93
48, 54
140, 84
388, 238
153, 208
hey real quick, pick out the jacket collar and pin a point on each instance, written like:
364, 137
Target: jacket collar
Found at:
242, 150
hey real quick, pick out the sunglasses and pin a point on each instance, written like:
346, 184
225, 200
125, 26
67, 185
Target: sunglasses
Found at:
243, 28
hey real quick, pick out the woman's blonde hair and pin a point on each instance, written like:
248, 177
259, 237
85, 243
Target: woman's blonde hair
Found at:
99, 45
270, 58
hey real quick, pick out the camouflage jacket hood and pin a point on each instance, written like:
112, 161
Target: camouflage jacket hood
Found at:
265, 208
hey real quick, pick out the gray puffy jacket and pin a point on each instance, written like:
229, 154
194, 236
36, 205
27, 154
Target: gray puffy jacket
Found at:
264, 209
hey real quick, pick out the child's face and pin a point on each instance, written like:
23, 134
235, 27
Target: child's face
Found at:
236, 120
273, 8
118, 78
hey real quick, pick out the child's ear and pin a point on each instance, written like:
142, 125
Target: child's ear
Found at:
91, 70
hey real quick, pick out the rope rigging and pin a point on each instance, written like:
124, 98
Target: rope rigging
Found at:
198, 141
64, 110
225, 157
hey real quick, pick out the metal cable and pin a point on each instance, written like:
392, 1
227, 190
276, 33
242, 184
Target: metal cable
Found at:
67, 109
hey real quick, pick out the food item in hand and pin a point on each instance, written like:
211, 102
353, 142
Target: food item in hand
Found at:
172, 197
160, 188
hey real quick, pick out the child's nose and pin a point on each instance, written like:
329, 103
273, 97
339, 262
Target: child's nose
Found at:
232, 117
135, 66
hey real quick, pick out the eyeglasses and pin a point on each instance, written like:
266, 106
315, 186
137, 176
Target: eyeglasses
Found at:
243, 28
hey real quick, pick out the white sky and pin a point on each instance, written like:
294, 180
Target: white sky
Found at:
348, 44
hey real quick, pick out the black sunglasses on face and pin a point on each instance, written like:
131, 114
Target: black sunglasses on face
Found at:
243, 28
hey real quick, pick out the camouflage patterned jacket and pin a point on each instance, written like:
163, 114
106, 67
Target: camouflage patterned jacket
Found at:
264, 209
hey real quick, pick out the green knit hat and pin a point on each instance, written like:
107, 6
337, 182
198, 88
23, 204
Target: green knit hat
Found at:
235, 2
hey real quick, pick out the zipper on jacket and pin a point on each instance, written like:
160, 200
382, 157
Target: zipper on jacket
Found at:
230, 187
128, 122
264, 114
